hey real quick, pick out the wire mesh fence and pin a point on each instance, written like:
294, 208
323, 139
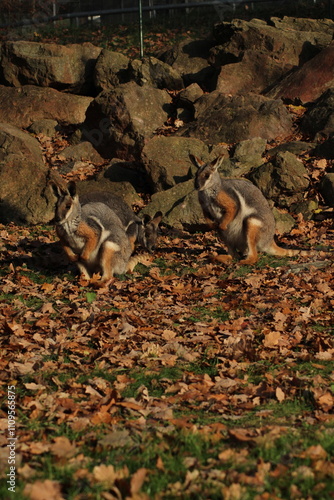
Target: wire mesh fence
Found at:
35, 12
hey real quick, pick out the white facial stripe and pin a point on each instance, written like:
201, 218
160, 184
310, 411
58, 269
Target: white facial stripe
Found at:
67, 215
207, 182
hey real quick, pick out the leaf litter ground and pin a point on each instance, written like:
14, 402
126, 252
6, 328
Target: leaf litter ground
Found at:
185, 379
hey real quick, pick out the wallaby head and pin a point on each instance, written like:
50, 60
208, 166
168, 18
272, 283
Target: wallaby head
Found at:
207, 174
149, 232
67, 202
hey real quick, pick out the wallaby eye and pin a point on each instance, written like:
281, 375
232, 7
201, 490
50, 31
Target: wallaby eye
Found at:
68, 205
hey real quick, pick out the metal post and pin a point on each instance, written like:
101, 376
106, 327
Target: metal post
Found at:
141, 40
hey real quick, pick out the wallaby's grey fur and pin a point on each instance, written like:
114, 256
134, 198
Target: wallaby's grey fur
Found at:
93, 235
146, 228
240, 213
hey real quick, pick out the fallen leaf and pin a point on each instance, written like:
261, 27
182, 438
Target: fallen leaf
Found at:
280, 394
43, 490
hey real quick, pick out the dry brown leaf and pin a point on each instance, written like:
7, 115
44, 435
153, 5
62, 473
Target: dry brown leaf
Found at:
280, 395
62, 447
43, 490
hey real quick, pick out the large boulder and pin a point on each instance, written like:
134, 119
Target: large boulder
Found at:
120, 121
166, 160
231, 119
310, 81
319, 118
123, 189
120, 172
190, 59
289, 46
63, 67
326, 189
25, 105
25, 195
152, 71
111, 69
256, 72
283, 180
179, 205
319, 26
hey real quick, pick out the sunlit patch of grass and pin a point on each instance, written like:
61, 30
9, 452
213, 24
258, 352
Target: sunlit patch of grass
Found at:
201, 313
154, 380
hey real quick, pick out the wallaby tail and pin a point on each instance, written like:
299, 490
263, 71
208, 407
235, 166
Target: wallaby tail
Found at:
278, 251
137, 259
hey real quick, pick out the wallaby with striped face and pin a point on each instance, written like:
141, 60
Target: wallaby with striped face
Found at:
239, 212
93, 236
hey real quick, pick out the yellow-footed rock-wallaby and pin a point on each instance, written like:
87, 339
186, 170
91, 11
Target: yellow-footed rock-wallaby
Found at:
240, 213
93, 236
146, 227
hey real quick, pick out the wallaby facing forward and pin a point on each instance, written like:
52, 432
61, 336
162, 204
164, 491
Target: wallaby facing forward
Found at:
146, 228
93, 235
240, 213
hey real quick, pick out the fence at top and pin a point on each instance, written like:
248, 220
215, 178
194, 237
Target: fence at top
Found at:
34, 12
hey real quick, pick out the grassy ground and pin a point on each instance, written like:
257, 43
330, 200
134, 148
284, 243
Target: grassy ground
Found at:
182, 380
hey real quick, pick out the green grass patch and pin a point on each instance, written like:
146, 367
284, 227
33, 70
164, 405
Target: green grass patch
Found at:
201, 313
153, 380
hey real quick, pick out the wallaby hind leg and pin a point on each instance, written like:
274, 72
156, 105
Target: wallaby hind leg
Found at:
108, 251
253, 229
83, 270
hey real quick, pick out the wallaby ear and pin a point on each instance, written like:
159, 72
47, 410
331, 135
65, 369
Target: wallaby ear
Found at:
72, 188
196, 161
146, 219
217, 162
157, 218
57, 191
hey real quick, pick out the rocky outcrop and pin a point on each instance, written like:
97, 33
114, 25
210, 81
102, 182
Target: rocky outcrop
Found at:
25, 195
319, 118
231, 119
283, 180
190, 59
23, 106
255, 55
288, 44
119, 121
111, 69
166, 160
308, 82
62, 67
138, 120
